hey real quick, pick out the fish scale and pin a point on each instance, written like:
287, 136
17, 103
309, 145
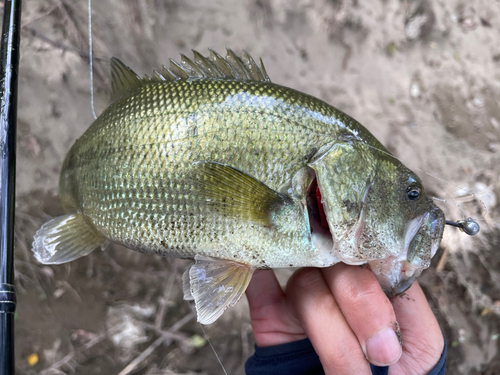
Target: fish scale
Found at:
211, 161
155, 167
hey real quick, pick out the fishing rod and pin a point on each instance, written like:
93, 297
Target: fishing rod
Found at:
9, 53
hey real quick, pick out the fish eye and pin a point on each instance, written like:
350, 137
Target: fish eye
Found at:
413, 192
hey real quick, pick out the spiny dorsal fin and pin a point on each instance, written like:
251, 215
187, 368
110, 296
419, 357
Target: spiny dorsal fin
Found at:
214, 66
123, 79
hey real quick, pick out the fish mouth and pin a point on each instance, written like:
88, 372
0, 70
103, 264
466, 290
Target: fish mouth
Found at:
321, 236
422, 237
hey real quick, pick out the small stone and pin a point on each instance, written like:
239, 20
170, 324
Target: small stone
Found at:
494, 123
415, 90
486, 311
47, 271
420, 21
197, 341
478, 101
413, 28
58, 293
33, 359
391, 49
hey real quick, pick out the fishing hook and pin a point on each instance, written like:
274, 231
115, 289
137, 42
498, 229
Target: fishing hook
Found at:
468, 226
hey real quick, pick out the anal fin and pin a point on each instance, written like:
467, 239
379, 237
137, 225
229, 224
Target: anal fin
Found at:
215, 284
65, 238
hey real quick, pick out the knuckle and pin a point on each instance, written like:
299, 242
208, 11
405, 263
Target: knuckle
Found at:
305, 278
357, 296
424, 346
349, 358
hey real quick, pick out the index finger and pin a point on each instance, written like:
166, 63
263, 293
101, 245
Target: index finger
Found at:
272, 323
312, 301
367, 310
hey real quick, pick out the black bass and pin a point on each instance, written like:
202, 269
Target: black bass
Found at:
209, 160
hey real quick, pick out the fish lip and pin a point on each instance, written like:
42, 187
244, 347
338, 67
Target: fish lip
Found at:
411, 229
401, 287
437, 219
437, 222
393, 278
398, 274
437, 228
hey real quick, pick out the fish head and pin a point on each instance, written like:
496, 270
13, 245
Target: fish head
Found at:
407, 224
377, 213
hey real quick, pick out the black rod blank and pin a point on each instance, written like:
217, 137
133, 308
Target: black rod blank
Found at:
9, 61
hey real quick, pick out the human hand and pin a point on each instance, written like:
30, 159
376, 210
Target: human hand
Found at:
348, 319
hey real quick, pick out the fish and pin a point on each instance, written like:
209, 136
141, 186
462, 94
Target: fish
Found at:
209, 160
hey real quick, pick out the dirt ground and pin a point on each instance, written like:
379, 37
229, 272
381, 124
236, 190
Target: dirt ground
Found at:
423, 76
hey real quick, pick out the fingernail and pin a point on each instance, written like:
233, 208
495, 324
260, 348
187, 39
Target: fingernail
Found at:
383, 348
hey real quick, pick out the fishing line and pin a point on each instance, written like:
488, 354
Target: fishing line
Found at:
205, 333
467, 191
95, 117
90, 60
206, 336
194, 312
209, 343
201, 326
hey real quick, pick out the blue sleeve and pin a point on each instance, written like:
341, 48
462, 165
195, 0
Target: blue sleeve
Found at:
293, 358
299, 358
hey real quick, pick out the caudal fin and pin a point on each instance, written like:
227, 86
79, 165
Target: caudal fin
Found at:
65, 238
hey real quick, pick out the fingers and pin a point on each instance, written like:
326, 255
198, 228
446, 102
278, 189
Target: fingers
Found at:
262, 292
367, 311
311, 300
423, 340
272, 323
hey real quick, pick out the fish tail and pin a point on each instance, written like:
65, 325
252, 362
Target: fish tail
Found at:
66, 238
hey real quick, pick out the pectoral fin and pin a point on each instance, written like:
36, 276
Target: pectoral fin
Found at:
233, 193
65, 238
215, 284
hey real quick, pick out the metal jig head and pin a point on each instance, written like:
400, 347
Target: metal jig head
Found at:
468, 226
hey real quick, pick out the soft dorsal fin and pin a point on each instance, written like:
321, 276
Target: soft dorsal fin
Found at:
123, 79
